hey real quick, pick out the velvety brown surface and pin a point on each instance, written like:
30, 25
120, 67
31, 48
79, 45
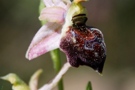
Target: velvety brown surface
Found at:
84, 46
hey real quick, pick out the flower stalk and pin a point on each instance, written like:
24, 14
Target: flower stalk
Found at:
55, 55
63, 70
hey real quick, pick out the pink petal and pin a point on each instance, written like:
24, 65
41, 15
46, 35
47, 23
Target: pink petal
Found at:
46, 39
53, 14
48, 3
60, 3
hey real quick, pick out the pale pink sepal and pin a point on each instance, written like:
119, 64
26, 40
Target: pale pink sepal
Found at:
46, 39
53, 14
60, 3
48, 3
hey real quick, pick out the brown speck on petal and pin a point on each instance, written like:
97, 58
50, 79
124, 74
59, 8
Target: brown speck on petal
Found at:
84, 46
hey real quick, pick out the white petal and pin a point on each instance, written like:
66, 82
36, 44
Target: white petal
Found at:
61, 3
53, 14
46, 39
64, 4
48, 3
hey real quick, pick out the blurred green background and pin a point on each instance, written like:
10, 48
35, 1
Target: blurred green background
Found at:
115, 18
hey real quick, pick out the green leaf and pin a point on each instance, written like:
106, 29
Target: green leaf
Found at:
17, 82
89, 86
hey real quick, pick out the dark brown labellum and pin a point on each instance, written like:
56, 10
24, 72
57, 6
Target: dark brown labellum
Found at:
84, 46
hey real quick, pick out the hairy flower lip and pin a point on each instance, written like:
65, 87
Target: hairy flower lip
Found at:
84, 48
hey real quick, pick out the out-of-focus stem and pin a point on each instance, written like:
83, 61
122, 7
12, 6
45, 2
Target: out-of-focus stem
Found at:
57, 78
55, 55
89, 86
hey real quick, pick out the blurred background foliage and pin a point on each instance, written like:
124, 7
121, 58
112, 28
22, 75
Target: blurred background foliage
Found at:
115, 18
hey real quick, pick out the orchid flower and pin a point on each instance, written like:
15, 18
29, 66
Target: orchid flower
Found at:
66, 29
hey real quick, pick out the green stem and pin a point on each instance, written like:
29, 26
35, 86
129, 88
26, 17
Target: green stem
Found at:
55, 55
89, 86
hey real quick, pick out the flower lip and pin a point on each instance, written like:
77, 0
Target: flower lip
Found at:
84, 47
